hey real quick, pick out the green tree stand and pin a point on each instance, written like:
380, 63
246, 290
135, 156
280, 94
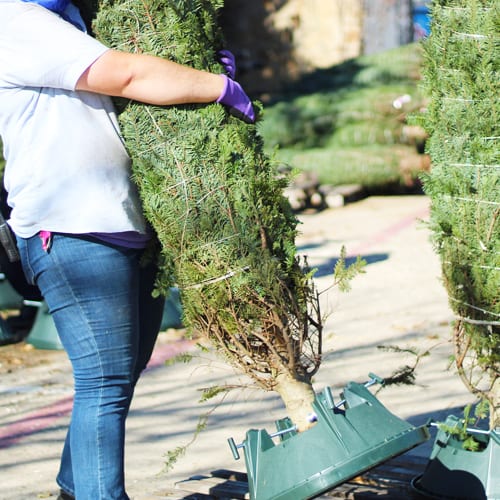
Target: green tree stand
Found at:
459, 474
9, 298
43, 334
350, 437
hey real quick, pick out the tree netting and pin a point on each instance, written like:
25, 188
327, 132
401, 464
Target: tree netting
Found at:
461, 77
215, 200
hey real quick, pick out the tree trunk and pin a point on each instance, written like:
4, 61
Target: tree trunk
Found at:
298, 397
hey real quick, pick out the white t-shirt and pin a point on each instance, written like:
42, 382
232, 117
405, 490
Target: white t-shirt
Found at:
67, 169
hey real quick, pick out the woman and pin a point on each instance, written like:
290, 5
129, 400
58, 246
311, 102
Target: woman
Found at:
77, 217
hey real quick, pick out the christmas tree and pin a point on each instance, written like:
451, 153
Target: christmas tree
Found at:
225, 230
461, 78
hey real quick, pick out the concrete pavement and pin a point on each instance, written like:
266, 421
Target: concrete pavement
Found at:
399, 300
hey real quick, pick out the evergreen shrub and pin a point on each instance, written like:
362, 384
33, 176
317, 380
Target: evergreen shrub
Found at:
461, 77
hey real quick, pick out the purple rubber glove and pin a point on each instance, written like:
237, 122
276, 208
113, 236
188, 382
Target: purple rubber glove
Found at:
227, 59
234, 97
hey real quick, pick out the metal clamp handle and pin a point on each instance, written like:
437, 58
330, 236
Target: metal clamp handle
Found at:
470, 430
234, 447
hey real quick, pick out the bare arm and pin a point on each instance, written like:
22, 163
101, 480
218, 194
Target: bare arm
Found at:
149, 79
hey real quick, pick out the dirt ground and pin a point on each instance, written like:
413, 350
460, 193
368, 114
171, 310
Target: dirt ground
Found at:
23, 355
16, 356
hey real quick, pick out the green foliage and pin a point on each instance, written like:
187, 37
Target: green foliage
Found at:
213, 196
180, 358
461, 79
340, 122
211, 392
172, 456
374, 166
344, 274
462, 430
406, 374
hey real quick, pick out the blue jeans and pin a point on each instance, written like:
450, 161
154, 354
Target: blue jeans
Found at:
100, 298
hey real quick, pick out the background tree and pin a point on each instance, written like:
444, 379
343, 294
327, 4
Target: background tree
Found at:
461, 78
226, 232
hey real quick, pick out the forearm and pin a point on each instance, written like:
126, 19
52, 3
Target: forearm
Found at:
149, 79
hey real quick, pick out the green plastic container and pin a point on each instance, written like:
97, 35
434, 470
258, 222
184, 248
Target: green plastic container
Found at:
43, 333
344, 443
455, 473
172, 311
9, 298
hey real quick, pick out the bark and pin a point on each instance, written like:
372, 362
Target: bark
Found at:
298, 397
495, 405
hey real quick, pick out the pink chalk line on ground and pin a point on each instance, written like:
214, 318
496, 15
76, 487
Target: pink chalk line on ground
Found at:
389, 232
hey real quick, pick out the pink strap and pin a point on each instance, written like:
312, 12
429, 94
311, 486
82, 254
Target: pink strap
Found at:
45, 236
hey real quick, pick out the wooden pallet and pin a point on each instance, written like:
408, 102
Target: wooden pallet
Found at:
390, 480
219, 484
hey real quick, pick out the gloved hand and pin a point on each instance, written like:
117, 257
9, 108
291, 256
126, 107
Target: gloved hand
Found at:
234, 97
227, 59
